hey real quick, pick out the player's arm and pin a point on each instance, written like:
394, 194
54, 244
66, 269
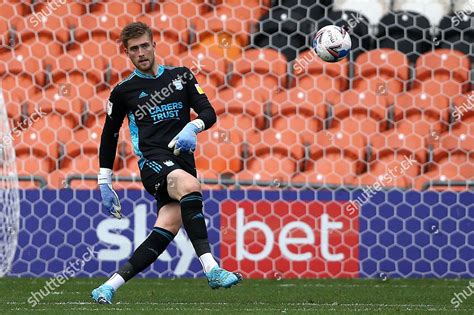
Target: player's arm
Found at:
108, 148
186, 139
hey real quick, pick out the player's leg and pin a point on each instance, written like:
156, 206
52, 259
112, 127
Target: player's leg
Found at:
166, 227
186, 188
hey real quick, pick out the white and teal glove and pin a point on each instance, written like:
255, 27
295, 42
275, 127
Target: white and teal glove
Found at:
186, 140
110, 200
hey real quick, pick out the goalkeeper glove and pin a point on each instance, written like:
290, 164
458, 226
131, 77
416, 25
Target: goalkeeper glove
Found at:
110, 200
185, 140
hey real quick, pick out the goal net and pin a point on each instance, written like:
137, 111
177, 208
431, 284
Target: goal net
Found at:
9, 195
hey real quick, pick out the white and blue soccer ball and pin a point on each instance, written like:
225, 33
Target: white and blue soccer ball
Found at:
332, 43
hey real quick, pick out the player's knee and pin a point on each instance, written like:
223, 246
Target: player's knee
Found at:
191, 186
169, 222
180, 183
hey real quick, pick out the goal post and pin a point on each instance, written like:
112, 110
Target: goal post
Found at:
9, 194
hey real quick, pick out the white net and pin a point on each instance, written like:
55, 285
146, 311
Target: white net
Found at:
9, 195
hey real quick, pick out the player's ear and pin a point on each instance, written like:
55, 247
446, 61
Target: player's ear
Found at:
154, 44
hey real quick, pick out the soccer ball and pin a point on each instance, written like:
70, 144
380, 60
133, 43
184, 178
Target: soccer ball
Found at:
332, 43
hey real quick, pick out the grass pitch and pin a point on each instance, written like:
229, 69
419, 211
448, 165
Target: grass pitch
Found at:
191, 296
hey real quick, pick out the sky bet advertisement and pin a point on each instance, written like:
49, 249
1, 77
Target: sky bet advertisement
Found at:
262, 234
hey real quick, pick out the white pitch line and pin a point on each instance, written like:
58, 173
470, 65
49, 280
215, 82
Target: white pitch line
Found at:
370, 285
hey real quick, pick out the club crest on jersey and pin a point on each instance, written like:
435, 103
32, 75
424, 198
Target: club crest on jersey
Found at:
168, 163
178, 84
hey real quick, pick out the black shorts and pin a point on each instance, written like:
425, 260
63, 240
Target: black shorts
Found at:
155, 172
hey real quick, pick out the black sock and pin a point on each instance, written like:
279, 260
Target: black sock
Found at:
193, 221
146, 253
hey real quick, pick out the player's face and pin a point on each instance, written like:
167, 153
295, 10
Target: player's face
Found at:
141, 51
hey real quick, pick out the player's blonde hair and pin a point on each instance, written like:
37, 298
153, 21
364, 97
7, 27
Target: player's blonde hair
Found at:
134, 30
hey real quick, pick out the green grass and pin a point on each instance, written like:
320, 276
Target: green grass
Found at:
191, 296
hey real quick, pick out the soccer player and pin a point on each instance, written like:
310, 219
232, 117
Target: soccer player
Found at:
157, 101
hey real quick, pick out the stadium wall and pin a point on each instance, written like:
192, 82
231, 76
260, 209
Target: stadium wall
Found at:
263, 234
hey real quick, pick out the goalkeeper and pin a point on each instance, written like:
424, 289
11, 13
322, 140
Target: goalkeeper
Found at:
157, 101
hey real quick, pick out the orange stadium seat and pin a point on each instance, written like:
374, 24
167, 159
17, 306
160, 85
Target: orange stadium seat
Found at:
75, 84
96, 107
14, 25
274, 164
264, 70
397, 142
186, 8
90, 120
70, 62
250, 10
218, 153
51, 101
300, 111
428, 112
285, 139
368, 102
60, 21
17, 88
442, 72
93, 43
453, 161
36, 147
17, 111
118, 8
242, 93
31, 50
39, 131
4, 27
74, 65
223, 31
7, 10
442, 65
382, 71
100, 22
120, 67
462, 130
334, 159
55, 127
109, 15
209, 69
38, 7
82, 157
404, 154
363, 113
18, 61
106, 71
240, 114
312, 73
